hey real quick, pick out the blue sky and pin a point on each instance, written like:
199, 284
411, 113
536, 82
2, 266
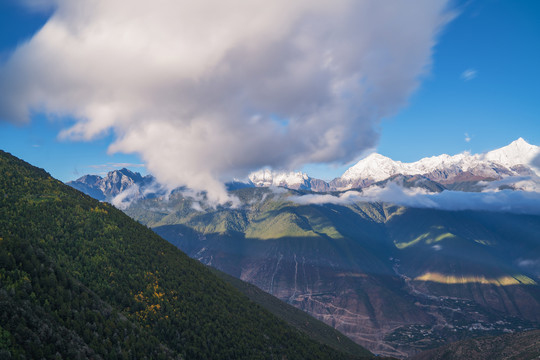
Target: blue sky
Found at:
494, 42
499, 41
37, 142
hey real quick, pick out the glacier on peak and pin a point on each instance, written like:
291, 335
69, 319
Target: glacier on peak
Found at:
518, 152
375, 167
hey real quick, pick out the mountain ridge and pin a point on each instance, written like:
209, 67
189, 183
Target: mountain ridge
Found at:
444, 168
463, 172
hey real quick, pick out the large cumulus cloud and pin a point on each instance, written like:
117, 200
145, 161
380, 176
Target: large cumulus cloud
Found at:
207, 90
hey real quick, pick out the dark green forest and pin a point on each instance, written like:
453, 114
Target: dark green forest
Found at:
80, 279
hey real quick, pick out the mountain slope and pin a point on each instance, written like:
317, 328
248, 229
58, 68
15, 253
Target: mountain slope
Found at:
59, 245
297, 318
45, 312
396, 280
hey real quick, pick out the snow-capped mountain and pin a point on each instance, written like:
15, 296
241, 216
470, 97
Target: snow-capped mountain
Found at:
512, 160
507, 167
292, 180
267, 177
516, 153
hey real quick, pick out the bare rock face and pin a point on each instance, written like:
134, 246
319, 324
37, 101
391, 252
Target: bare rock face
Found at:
119, 180
114, 183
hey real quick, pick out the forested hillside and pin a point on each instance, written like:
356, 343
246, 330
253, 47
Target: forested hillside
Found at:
81, 279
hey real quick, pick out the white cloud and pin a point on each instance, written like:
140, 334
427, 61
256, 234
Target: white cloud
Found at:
525, 183
391, 193
467, 137
197, 206
126, 197
535, 163
469, 74
205, 91
503, 201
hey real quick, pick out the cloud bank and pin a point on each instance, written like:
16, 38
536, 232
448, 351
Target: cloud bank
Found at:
515, 201
525, 183
205, 91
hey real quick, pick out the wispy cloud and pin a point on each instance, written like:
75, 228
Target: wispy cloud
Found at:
126, 197
392, 193
467, 137
469, 74
205, 91
134, 192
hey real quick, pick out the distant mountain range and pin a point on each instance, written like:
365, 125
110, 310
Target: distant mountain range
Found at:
465, 172
512, 160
